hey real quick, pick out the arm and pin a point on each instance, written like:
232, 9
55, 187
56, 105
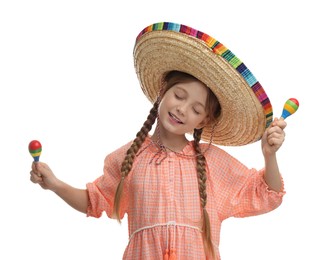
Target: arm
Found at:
43, 175
272, 140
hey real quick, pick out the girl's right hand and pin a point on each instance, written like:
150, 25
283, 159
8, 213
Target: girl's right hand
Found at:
41, 174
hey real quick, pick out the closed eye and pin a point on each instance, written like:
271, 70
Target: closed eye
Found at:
196, 111
178, 97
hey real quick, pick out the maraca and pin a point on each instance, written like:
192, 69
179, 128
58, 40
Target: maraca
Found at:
35, 149
290, 107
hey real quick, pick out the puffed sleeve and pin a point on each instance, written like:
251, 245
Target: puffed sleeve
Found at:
241, 191
102, 191
253, 196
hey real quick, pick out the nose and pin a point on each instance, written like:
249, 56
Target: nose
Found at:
181, 109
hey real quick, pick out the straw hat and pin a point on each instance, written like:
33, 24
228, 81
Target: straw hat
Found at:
246, 109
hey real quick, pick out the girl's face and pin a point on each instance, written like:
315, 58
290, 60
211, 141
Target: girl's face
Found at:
183, 108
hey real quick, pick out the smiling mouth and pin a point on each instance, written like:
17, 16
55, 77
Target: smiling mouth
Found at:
173, 117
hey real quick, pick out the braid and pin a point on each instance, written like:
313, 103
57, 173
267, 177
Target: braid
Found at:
131, 153
201, 173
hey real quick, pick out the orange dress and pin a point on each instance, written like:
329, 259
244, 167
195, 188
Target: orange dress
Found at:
162, 203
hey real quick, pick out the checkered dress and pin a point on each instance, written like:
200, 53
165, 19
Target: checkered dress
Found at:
162, 203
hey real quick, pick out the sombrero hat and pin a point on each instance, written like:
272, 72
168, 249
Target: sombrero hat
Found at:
246, 109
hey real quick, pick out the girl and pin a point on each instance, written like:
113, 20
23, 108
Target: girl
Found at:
177, 192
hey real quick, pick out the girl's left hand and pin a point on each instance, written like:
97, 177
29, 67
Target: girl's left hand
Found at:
273, 137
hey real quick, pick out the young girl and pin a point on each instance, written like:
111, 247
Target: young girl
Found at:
176, 192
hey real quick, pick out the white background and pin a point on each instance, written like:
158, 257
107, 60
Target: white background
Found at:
67, 79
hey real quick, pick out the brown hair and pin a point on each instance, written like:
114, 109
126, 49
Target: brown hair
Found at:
213, 110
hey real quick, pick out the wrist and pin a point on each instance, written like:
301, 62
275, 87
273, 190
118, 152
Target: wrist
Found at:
58, 186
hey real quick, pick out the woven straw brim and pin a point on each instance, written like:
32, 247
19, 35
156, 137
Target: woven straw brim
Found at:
242, 119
